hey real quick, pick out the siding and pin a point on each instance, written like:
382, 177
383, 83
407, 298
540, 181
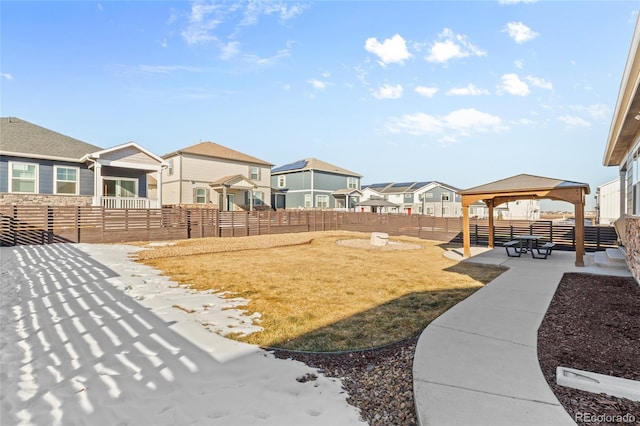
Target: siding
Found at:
204, 170
45, 174
130, 155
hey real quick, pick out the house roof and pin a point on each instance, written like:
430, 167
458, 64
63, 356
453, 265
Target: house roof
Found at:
401, 187
346, 191
312, 164
625, 124
523, 183
21, 138
214, 150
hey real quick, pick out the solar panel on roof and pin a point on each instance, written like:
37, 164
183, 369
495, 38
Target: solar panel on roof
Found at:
398, 185
291, 166
420, 185
378, 185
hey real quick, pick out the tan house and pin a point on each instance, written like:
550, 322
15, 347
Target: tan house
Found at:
209, 174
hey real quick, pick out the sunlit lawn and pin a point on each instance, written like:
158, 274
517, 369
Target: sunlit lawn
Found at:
320, 296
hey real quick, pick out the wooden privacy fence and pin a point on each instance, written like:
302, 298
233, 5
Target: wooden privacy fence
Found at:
51, 224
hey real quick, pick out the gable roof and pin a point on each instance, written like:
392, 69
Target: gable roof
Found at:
214, 150
24, 139
313, 164
402, 187
523, 182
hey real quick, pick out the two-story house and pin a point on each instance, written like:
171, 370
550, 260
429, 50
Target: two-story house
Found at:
314, 184
41, 166
209, 174
430, 197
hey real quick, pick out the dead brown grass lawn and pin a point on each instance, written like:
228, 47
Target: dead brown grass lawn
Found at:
314, 294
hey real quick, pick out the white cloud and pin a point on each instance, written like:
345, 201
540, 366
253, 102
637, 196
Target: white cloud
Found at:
452, 46
573, 121
450, 127
317, 84
390, 51
230, 50
204, 18
283, 10
470, 90
512, 84
425, 91
6, 76
388, 91
519, 32
519, 63
539, 82
270, 60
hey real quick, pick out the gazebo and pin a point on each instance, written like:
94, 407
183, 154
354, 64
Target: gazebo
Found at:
526, 187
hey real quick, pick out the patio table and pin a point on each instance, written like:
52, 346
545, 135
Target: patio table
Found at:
527, 242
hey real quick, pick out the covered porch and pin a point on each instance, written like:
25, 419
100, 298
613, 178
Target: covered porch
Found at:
126, 177
236, 191
523, 187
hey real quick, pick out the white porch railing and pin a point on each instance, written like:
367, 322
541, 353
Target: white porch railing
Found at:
129, 203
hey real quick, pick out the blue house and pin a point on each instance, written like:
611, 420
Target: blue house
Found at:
39, 166
314, 184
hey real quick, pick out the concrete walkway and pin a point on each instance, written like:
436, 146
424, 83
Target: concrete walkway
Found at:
477, 364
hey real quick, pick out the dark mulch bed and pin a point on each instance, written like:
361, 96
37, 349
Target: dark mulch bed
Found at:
593, 324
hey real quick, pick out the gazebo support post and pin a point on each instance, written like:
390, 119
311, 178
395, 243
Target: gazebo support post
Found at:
579, 215
491, 236
466, 239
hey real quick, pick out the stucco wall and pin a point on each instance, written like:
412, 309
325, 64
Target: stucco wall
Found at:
44, 200
633, 245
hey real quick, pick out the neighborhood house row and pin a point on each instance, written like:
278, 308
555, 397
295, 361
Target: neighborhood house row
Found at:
39, 166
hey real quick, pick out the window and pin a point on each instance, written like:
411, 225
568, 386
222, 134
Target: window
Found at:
66, 180
258, 198
408, 197
282, 181
429, 211
444, 196
254, 173
307, 201
170, 167
352, 183
23, 177
322, 201
120, 187
428, 195
201, 195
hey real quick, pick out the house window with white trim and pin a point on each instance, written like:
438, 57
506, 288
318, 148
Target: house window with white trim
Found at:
170, 167
23, 177
307, 201
444, 196
322, 201
65, 180
352, 183
254, 173
282, 181
200, 195
258, 198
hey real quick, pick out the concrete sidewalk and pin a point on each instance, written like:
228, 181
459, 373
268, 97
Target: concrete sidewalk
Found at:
477, 364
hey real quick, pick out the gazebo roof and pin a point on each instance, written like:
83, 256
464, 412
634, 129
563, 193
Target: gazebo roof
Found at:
525, 186
523, 183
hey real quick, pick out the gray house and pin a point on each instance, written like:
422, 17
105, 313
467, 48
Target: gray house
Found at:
314, 184
39, 166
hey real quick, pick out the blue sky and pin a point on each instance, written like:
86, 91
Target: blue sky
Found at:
460, 92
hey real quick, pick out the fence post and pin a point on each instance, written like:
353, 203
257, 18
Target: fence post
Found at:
50, 236
246, 223
188, 223
102, 219
13, 225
